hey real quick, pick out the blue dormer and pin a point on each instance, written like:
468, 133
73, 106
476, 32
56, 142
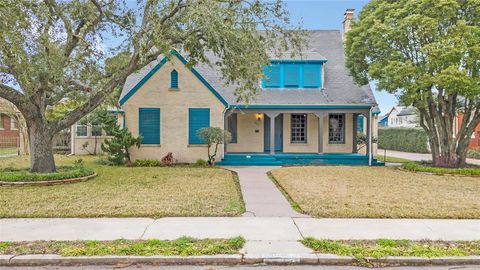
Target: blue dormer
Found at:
293, 74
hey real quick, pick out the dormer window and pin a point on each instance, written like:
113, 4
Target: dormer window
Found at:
174, 79
293, 74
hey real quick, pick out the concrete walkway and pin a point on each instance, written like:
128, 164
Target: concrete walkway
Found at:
417, 156
251, 228
262, 198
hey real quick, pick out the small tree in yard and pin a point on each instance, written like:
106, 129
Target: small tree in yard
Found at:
213, 136
428, 53
52, 51
118, 147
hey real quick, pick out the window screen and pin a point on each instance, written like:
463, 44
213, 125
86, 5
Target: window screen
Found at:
298, 126
336, 128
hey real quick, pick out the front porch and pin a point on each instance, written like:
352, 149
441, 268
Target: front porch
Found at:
282, 159
299, 135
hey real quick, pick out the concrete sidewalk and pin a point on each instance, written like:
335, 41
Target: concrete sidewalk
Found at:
417, 156
251, 228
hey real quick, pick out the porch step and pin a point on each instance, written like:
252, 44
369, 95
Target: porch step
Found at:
249, 160
280, 159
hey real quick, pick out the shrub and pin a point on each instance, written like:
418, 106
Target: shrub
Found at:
201, 163
426, 167
147, 163
474, 153
403, 139
168, 159
213, 136
117, 147
63, 172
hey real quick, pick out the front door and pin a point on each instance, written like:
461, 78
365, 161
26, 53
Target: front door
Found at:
278, 133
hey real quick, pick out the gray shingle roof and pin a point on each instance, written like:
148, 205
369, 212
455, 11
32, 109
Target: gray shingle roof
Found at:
339, 87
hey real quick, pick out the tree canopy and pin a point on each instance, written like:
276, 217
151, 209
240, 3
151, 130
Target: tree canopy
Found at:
427, 52
51, 51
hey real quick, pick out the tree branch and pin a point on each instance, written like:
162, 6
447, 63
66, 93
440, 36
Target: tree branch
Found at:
12, 95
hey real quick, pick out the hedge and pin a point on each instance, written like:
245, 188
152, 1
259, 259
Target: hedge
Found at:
403, 139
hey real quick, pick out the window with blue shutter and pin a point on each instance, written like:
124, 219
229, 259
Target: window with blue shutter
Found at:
149, 125
311, 76
360, 124
272, 76
198, 118
174, 79
291, 75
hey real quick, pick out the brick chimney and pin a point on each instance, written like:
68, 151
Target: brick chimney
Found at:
347, 19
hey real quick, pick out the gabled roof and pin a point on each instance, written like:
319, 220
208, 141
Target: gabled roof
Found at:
339, 87
137, 79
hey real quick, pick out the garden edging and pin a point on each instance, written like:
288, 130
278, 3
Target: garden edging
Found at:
49, 182
235, 259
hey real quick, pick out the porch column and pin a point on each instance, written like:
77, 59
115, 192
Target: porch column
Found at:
369, 135
320, 131
355, 133
272, 117
225, 127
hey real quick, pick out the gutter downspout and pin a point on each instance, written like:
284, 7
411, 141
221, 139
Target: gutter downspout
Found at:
370, 137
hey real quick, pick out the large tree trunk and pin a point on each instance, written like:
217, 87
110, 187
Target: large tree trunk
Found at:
41, 152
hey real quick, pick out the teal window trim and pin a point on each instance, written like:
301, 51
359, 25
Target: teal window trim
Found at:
202, 117
292, 74
174, 79
155, 139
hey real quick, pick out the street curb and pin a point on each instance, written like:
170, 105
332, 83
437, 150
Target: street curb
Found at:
236, 259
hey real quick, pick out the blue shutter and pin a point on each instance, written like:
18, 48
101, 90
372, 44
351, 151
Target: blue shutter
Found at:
291, 75
311, 75
360, 122
149, 125
272, 76
197, 119
174, 79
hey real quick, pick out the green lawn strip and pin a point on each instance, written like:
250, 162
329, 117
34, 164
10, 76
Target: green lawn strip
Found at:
386, 247
63, 172
424, 167
184, 246
391, 159
8, 151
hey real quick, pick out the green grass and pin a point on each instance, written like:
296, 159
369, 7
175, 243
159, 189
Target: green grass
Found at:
184, 246
63, 172
386, 247
391, 159
120, 191
422, 167
8, 151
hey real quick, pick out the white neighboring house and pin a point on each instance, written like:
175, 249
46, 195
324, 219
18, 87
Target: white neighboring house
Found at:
86, 138
402, 116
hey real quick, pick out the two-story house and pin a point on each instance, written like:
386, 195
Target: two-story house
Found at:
309, 110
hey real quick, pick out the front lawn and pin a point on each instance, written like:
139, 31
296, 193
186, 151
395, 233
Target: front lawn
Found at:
8, 151
184, 246
379, 192
391, 159
126, 192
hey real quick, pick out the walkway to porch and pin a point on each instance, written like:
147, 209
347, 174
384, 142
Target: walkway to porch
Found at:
280, 159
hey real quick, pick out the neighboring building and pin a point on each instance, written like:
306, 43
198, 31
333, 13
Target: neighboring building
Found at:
474, 139
383, 121
9, 131
309, 109
400, 117
86, 137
